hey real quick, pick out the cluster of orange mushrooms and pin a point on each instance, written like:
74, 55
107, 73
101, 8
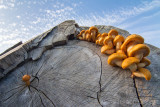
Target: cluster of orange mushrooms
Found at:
128, 53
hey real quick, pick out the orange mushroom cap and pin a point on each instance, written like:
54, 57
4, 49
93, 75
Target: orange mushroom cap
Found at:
118, 38
129, 61
106, 48
132, 38
146, 61
116, 57
93, 28
107, 39
83, 31
143, 72
26, 78
139, 48
113, 32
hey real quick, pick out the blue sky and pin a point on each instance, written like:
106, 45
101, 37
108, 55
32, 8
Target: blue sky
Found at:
21, 20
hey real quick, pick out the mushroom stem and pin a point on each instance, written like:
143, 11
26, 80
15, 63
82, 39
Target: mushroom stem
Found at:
27, 83
83, 36
119, 63
101, 41
93, 35
118, 46
130, 45
139, 56
137, 74
141, 65
133, 67
110, 44
88, 36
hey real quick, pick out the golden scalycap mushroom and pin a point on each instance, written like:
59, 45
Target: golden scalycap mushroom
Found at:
108, 41
132, 40
130, 63
142, 72
116, 59
94, 32
26, 79
79, 37
118, 40
144, 62
83, 34
101, 39
88, 35
139, 51
107, 50
113, 33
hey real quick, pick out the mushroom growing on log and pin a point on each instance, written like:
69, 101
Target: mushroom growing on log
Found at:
88, 35
118, 40
113, 33
144, 62
142, 72
107, 50
108, 41
116, 59
26, 79
130, 63
139, 51
94, 32
131, 41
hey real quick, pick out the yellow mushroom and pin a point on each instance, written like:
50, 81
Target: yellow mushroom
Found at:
88, 35
107, 50
118, 40
121, 52
131, 41
94, 33
130, 63
82, 33
79, 37
144, 62
101, 39
139, 51
116, 59
113, 33
26, 79
108, 41
142, 72
97, 38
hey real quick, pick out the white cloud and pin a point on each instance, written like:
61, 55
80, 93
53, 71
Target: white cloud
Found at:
3, 7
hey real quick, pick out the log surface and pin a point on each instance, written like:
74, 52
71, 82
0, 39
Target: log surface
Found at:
67, 73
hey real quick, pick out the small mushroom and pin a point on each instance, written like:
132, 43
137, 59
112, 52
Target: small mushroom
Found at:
144, 62
26, 79
107, 50
82, 33
97, 38
79, 37
118, 40
142, 72
113, 33
139, 51
108, 41
130, 41
130, 63
88, 35
101, 39
116, 59
94, 32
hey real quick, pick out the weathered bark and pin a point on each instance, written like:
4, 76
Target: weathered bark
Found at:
75, 74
